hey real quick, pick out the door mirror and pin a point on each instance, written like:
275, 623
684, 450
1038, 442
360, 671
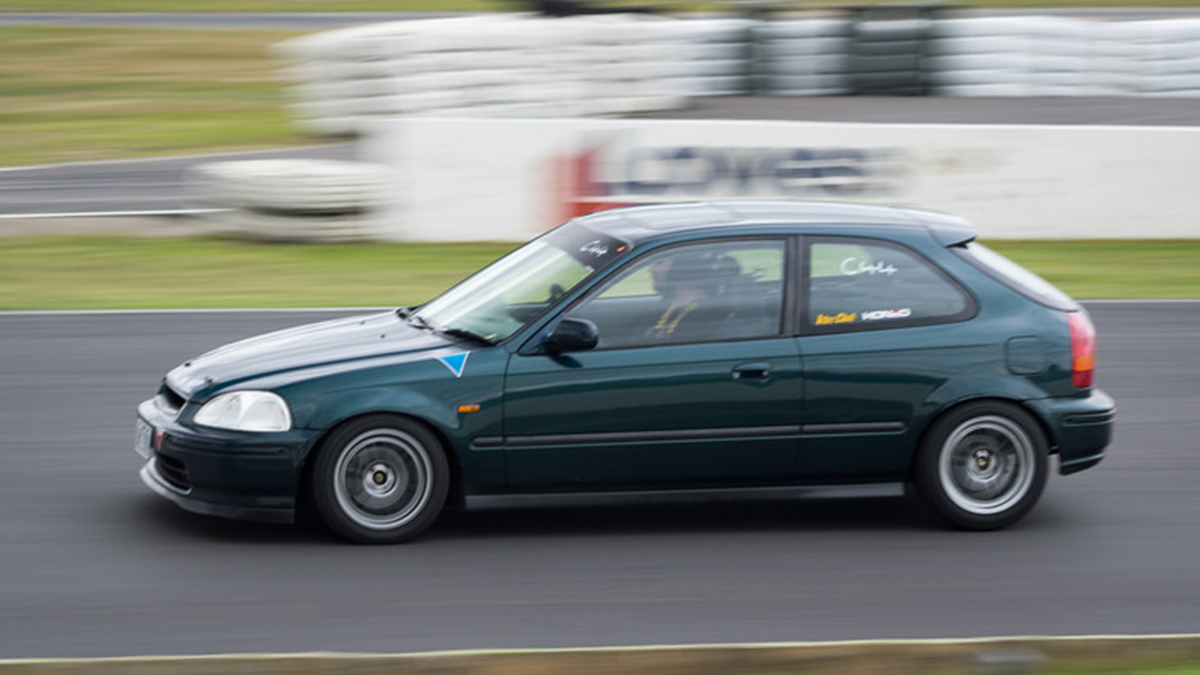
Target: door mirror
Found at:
571, 335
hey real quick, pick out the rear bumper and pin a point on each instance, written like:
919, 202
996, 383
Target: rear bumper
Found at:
1080, 428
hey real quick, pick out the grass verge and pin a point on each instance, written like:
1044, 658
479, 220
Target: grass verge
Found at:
109, 272
1029, 656
1146, 269
75, 94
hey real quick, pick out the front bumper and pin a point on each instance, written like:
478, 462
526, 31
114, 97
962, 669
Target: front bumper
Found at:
214, 505
1080, 428
251, 476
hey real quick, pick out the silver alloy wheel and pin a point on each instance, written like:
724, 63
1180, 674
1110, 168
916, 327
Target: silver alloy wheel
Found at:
987, 465
382, 479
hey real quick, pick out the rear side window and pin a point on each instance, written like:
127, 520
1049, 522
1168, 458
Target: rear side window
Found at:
1016, 277
868, 284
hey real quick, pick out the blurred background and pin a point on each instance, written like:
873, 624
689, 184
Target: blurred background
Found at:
322, 105
292, 160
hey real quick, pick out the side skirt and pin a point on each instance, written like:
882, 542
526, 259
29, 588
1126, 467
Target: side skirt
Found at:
863, 491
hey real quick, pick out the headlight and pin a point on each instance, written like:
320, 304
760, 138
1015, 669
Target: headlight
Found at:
246, 411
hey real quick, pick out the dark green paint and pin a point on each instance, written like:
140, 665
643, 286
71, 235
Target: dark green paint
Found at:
803, 407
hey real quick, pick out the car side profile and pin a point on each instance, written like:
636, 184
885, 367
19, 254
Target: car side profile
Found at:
700, 346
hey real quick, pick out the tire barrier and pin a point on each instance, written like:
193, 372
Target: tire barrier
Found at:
710, 57
501, 65
804, 58
524, 65
888, 46
291, 200
1166, 57
1050, 56
1015, 56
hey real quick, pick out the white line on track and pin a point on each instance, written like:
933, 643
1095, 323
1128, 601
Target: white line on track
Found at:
169, 158
111, 214
355, 656
1148, 301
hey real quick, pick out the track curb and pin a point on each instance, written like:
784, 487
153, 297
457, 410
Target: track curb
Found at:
886, 657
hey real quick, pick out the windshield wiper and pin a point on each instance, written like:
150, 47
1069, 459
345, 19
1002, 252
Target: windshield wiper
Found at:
404, 312
416, 321
466, 335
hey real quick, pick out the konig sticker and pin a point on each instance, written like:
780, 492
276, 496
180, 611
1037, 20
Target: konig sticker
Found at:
616, 169
885, 314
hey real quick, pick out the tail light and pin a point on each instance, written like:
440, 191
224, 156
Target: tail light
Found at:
1083, 349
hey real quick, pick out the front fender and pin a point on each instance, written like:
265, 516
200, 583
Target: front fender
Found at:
457, 406
333, 408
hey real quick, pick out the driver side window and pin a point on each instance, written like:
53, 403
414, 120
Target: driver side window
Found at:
727, 290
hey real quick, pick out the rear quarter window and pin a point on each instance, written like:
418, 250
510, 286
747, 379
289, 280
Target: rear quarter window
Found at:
867, 284
1016, 277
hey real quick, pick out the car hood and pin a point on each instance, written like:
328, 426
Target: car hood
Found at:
341, 341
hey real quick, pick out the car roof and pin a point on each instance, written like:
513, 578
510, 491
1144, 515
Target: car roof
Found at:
642, 223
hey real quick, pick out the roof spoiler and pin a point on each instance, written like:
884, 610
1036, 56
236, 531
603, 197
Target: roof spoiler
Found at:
945, 229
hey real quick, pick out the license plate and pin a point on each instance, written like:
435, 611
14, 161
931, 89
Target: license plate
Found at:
143, 436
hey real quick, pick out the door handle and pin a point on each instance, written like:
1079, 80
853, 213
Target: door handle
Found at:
752, 371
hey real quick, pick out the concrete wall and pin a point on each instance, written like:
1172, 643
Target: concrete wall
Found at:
480, 179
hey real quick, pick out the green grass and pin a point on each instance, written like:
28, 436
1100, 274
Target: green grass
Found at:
77, 272
1113, 269
74, 94
111, 272
1146, 668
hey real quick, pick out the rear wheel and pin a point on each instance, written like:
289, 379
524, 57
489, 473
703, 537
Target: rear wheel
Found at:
982, 466
380, 479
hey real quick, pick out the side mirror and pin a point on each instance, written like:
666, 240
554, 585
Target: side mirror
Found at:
571, 335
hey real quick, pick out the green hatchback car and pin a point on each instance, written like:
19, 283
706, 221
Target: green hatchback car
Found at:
703, 346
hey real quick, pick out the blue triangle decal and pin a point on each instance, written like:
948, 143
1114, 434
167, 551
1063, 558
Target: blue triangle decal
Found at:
455, 362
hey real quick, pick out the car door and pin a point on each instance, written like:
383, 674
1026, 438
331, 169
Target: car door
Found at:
882, 327
680, 391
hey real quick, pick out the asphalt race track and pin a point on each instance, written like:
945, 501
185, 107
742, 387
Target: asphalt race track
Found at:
124, 186
92, 564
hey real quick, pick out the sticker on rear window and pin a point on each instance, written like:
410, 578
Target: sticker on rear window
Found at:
884, 314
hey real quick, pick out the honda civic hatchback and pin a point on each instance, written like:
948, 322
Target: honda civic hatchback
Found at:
701, 346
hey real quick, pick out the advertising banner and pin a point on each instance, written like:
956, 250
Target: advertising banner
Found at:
492, 179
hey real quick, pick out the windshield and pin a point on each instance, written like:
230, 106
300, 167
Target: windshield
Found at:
496, 301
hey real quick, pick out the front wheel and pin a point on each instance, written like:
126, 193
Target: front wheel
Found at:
380, 479
983, 465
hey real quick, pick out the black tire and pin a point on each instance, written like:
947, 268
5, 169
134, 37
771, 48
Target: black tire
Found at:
381, 479
982, 465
